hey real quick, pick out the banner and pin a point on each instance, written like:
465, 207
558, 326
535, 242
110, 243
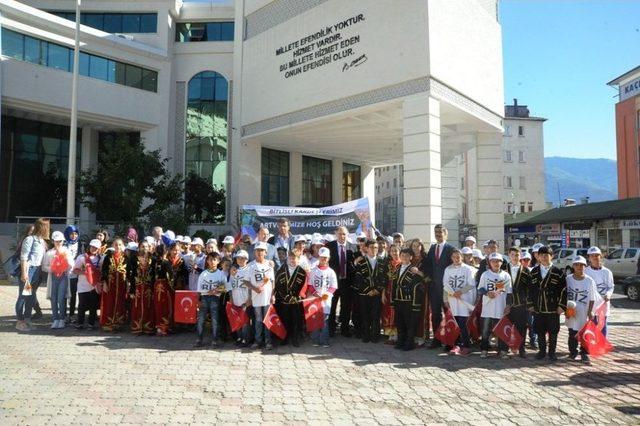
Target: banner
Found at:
355, 215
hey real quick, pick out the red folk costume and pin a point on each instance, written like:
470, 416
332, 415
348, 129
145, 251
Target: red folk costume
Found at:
422, 331
114, 292
388, 312
141, 289
162, 278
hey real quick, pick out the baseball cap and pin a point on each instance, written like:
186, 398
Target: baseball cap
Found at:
179, 239
470, 238
261, 245
197, 241
536, 247
477, 253
242, 253
212, 240
186, 239
300, 238
150, 240
95, 243
57, 236
496, 256
317, 241
324, 252
466, 250
486, 243
580, 259
132, 246
526, 255
361, 236
228, 240
594, 250
168, 237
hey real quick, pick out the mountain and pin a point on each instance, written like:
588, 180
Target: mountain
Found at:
595, 178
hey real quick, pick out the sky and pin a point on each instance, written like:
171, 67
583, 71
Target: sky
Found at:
559, 56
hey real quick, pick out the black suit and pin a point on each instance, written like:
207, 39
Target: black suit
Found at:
434, 269
345, 283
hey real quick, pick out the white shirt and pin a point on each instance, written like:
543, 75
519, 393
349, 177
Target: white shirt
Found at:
403, 268
236, 285
83, 284
211, 280
603, 278
514, 270
460, 278
544, 270
195, 265
313, 262
494, 308
323, 281
581, 292
258, 272
372, 262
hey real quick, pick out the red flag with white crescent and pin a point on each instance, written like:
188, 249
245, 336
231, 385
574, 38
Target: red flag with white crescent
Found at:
592, 339
507, 332
599, 313
59, 264
273, 323
237, 316
185, 307
473, 322
449, 331
313, 314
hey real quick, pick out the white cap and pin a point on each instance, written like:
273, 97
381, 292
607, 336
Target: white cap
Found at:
308, 237
228, 240
324, 252
212, 240
485, 244
477, 253
526, 255
316, 236
361, 236
179, 239
197, 241
580, 259
300, 238
389, 240
496, 256
593, 250
132, 246
95, 243
260, 245
470, 238
536, 247
328, 238
241, 253
150, 240
57, 236
186, 239
316, 241
466, 250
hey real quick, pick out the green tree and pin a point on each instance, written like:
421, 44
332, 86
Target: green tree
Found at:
204, 202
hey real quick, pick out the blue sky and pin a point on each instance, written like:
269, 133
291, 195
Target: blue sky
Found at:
559, 56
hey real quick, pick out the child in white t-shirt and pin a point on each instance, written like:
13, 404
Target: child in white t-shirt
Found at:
494, 286
261, 277
240, 293
211, 284
581, 295
323, 283
459, 296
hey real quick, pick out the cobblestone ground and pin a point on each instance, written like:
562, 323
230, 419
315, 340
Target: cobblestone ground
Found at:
68, 376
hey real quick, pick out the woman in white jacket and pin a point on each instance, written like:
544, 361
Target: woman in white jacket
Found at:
57, 263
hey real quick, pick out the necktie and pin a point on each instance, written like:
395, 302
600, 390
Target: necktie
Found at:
438, 253
343, 263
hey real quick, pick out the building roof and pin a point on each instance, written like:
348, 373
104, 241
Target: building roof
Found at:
624, 76
616, 209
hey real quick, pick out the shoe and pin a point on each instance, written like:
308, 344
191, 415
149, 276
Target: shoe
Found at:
198, 344
315, 345
484, 354
62, 324
455, 350
522, 354
269, 347
285, 342
79, 326
584, 358
464, 352
296, 344
553, 357
573, 357
90, 327
398, 346
435, 344
503, 355
365, 340
54, 324
215, 344
326, 345
255, 346
533, 345
541, 355
37, 314
21, 326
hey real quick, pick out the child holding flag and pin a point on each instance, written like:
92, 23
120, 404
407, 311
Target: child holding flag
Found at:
239, 292
57, 263
88, 272
261, 283
211, 284
581, 295
323, 283
603, 278
290, 279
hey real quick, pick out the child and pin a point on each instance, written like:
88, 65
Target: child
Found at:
239, 293
211, 284
520, 279
289, 281
141, 290
72, 243
113, 288
323, 283
86, 268
459, 297
494, 287
195, 262
282, 257
58, 263
604, 282
261, 283
407, 295
582, 291
162, 278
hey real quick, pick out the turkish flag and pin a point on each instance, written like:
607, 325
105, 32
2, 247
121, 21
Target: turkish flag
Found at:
273, 323
237, 317
91, 272
313, 314
507, 332
592, 339
185, 307
599, 313
473, 322
59, 264
448, 331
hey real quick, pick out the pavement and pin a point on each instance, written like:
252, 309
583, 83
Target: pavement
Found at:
68, 377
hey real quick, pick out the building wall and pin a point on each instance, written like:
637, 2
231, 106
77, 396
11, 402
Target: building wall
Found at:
628, 147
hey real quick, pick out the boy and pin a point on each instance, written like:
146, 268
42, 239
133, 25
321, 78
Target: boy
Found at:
459, 297
371, 280
495, 285
261, 283
581, 292
211, 284
323, 282
195, 262
282, 257
239, 293
289, 281
407, 295
547, 299
604, 281
520, 278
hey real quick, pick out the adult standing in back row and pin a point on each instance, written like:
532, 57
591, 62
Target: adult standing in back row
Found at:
341, 261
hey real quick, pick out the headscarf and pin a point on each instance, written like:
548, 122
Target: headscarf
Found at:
67, 234
132, 235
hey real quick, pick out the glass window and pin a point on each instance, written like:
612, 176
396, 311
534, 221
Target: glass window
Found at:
112, 23
522, 183
33, 50
226, 31
316, 181
111, 71
148, 23
149, 80
634, 237
212, 31
58, 57
121, 73
84, 64
351, 178
12, 44
521, 156
616, 254
93, 20
275, 177
507, 156
131, 23
630, 253
520, 130
116, 22
99, 68
134, 76
204, 31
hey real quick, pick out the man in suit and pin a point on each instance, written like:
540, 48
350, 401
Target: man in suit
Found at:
437, 260
341, 261
284, 237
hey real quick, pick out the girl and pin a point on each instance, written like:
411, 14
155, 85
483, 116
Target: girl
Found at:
211, 284
323, 283
495, 285
459, 297
419, 255
314, 250
240, 295
141, 290
113, 288
87, 269
179, 267
162, 278
388, 312
71, 243
57, 263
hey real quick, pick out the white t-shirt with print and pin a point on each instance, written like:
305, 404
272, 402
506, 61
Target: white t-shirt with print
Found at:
603, 278
211, 280
236, 285
460, 278
582, 292
494, 308
323, 281
257, 273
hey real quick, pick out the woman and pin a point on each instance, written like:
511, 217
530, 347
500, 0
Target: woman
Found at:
141, 290
179, 267
419, 254
87, 269
72, 244
114, 288
388, 313
33, 248
162, 278
57, 263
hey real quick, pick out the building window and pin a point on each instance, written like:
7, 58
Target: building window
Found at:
507, 181
522, 206
634, 237
351, 178
507, 130
507, 156
128, 23
204, 31
520, 130
206, 133
275, 177
316, 181
522, 183
509, 208
40, 52
387, 184
395, 182
462, 182
521, 156
529, 207
34, 162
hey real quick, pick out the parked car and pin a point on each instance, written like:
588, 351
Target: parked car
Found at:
623, 262
631, 287
563, 258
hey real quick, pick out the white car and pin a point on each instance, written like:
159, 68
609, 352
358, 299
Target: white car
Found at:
564, 257
623, 262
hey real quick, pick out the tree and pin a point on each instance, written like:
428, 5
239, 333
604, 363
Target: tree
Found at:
204, 202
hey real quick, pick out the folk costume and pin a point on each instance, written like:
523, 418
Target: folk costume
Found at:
520, 280
546, 294
371, 280
114, 291
141, 290
388, 310
288, 283
407, 296
163, 279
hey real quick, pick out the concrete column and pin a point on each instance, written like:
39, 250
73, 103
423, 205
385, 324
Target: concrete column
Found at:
489, 182
295, 178
88, 161
336, 181
451, 199
368, 186
422, 172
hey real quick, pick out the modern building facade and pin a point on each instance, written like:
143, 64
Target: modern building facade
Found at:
279, 102
627, 133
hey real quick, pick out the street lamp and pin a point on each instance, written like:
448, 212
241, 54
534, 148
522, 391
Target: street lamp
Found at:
73, 133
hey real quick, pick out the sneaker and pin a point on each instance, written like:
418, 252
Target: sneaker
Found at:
455, 350
522, 354
255, 346
553, 357
573, 357
90, 327
503, 355
315, 344
62, 323
326, 345
54, 324
269, 347
37, 314
484, 354
215, 344
21, 326
464, 352
79, 326
198, 344
584, 358
541, 355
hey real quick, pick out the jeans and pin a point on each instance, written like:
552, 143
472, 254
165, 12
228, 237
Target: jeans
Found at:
73, 285
464, 340
572, 343
208, 304
59, 296
24, 304
321, 336
260, 312
487, 327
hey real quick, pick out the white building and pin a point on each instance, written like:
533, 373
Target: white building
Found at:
279, 101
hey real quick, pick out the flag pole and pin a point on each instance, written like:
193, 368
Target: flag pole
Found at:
73, 133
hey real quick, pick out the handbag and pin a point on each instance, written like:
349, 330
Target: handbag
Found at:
12, 265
